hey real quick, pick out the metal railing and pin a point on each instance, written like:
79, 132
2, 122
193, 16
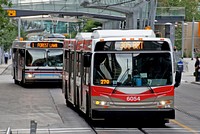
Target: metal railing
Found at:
170, 11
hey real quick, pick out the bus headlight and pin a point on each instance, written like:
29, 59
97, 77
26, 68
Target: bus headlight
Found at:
101, 103
30, 75
164, 104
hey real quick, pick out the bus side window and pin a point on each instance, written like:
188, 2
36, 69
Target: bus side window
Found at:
28, 58
165, 46
22, 52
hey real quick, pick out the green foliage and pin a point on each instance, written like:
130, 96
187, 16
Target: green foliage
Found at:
90, 24
184, 54
178, 37
8, 30
73, 34
191, 7
191, 11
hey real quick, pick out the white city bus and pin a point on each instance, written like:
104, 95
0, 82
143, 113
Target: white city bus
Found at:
37, 61
121, 74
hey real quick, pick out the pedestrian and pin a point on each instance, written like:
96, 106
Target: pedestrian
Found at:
197, 69
6, 55
175, 49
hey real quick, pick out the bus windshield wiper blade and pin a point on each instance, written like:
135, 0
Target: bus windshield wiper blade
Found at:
150, 88
119, 83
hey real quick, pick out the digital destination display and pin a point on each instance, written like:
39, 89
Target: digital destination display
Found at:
137, 45
132, 45
46, 45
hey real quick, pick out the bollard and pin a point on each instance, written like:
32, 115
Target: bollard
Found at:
33, 126
8, 131
180, 66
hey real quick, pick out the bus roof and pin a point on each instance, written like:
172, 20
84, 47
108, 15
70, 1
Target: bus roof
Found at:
84, 36
123, 33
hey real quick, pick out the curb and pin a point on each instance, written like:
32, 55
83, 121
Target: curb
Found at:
3, 70
197, 83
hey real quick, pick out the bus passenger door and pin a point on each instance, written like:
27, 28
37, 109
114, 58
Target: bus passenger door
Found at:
82, 101
71, 78
78, 80
85, 82
15, 63
20, 67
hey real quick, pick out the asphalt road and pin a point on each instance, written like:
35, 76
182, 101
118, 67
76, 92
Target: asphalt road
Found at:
46, 106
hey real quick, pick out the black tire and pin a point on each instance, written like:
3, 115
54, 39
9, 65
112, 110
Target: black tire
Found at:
66, 95
87, 107
16, 82
77, 105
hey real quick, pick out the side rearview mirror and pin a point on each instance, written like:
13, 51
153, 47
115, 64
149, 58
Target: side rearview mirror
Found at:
87, 60
177, 78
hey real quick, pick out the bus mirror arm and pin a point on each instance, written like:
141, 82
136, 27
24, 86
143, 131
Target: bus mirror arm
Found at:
177, 78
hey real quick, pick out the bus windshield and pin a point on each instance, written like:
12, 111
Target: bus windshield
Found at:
36, 57
43, 57
132, 69
55, 58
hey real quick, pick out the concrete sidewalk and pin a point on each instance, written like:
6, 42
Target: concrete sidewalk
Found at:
4, 66
188, 70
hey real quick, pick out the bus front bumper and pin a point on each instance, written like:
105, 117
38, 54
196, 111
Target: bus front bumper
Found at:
145, 113
29, 81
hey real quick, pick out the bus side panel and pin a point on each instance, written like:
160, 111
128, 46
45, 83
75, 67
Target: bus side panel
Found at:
14, 56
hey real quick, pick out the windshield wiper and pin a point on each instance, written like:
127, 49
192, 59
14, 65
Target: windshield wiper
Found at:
119, 83
150, 88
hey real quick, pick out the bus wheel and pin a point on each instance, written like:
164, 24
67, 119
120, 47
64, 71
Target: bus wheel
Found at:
87, 107
23, 84
66, 96
67, 103
161, 122
77, 99
16, 82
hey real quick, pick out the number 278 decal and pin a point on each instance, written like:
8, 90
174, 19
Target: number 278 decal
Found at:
132, 98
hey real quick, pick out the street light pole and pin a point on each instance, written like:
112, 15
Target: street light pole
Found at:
183, 40
192, 38
19, 27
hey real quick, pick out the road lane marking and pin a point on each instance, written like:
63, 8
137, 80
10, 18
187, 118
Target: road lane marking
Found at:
184, 126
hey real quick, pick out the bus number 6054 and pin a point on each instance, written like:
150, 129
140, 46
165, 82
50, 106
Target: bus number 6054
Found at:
133, 98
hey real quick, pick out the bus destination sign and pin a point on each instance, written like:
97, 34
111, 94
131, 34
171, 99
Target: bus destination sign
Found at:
46, 45
137, 45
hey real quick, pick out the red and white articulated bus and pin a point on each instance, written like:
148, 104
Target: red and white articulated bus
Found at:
121, 74
37, 61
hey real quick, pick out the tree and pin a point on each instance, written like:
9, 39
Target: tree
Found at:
90, 24
8, 31
191, 10
191, 7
